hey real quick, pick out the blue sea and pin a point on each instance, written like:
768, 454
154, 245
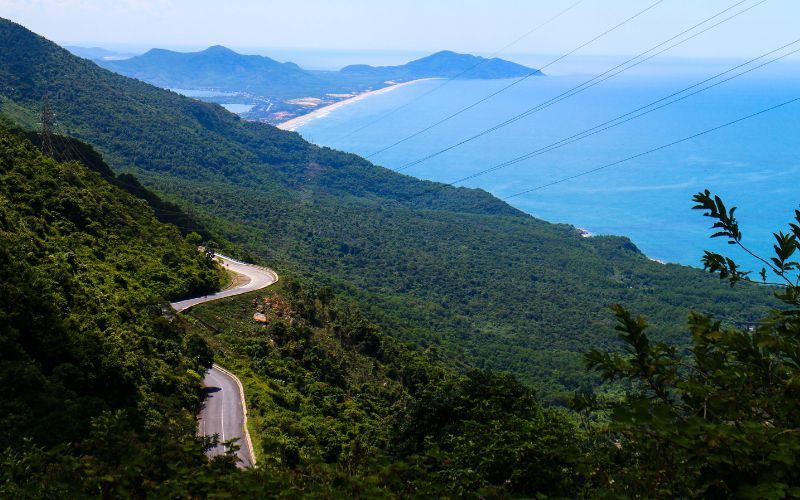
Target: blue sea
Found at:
753, 165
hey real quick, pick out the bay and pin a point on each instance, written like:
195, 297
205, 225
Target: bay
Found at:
753, 165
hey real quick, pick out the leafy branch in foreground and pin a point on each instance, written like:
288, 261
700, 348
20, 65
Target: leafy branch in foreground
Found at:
723, 418
728, 227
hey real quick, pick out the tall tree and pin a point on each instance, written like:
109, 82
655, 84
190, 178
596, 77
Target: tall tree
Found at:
721, 419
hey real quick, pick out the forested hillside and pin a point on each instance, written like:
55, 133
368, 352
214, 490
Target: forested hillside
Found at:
447, 268
93, 376
101, 381
339, 408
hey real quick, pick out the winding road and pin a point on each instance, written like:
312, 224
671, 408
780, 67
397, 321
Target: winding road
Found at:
258, 278
224, 411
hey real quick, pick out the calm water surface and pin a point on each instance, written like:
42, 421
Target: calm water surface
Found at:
753, 165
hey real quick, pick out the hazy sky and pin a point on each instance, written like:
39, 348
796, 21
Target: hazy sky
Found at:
404, 25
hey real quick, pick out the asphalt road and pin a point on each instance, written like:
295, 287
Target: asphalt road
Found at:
223, 411
259, 278
222, 414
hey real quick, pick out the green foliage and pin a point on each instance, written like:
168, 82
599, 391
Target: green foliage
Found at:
95, 382
330, 396
70, 149
487, 432
100, 383
722, 419
725, 267
323, 384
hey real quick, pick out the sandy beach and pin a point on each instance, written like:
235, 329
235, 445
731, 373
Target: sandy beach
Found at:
294, 123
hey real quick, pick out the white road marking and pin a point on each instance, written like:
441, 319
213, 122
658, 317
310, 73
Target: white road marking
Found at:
222, 412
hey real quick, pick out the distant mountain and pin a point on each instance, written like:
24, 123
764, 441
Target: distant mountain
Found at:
220, 68
96, 53
446, 64
278, 91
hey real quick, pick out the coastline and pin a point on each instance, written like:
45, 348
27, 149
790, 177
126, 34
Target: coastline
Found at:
301, 120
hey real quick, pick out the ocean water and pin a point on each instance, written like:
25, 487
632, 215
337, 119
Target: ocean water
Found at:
753, 165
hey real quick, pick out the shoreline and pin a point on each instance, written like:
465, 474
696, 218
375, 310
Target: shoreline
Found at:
301, 120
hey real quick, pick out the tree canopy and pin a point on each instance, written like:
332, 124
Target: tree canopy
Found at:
721, 418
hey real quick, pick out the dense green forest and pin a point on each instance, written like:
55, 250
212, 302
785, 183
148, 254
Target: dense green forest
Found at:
435, 266
351, 412
101, 382
93, 376
66, 148
346, 410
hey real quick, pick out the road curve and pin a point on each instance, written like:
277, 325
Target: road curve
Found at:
224, 411
259, 277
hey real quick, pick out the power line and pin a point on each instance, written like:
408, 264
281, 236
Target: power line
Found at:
643, 110
68, 151
68, 145
593, 81
479, 63
624, 118
71, 152
518, 81
665, 146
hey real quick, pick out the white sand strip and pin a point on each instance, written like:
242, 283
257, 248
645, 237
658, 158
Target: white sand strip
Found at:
299, 121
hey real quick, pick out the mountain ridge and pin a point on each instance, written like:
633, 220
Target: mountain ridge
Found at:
214, 67
442, 64
279, 91
449, 64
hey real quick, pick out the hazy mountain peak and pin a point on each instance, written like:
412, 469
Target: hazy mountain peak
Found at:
221, 49
448, 64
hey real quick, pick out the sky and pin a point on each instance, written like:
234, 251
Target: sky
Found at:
405, 26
